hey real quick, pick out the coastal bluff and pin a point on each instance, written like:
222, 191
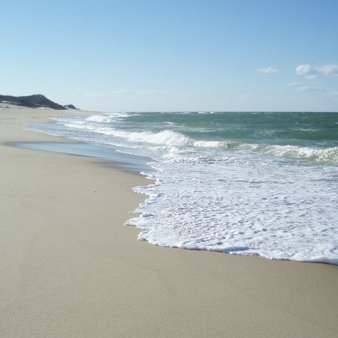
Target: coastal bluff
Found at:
34, 101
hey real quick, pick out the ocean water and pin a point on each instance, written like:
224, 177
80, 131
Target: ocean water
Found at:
239, 183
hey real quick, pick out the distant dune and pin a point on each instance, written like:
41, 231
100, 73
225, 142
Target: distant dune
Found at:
34, 101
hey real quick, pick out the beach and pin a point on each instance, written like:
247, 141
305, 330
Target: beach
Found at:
69, 267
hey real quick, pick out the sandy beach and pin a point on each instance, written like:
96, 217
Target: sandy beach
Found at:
69, 267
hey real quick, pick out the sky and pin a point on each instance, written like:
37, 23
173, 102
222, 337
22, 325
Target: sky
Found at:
173, 55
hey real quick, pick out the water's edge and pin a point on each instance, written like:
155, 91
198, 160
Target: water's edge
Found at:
131, 163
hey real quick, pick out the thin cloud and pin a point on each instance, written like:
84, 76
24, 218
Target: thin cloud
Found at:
303, 87
309, 89
268, 70
312, 72
295, 84
333, 93
127, 92
247, 96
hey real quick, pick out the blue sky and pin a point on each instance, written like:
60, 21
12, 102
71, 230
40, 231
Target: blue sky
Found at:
252, 55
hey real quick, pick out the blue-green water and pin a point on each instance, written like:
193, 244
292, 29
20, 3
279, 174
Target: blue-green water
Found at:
244, 183
272, 128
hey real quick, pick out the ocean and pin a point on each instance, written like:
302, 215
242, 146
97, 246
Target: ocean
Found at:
240, 183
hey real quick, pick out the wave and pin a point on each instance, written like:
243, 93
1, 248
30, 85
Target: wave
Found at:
106, 118
208, 144
313, 154
103, 124
323, 155
99, 118
165, 137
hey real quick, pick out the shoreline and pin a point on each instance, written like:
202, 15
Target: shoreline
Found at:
127, 162
70, 267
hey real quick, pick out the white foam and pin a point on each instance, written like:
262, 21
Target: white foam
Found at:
243, 205
329, 155
165, 137
107, 118
98, 118
208, 144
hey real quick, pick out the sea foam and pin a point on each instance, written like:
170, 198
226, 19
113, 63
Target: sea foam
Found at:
248, 210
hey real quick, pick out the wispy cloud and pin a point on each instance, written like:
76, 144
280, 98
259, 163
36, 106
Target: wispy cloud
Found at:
303, 87
293, 84
268, 70
312, 72
334, 93
128, 92
246, 96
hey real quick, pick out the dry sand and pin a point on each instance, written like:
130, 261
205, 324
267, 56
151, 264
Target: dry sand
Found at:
70, 268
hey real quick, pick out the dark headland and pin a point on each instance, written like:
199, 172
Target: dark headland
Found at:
34, 101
